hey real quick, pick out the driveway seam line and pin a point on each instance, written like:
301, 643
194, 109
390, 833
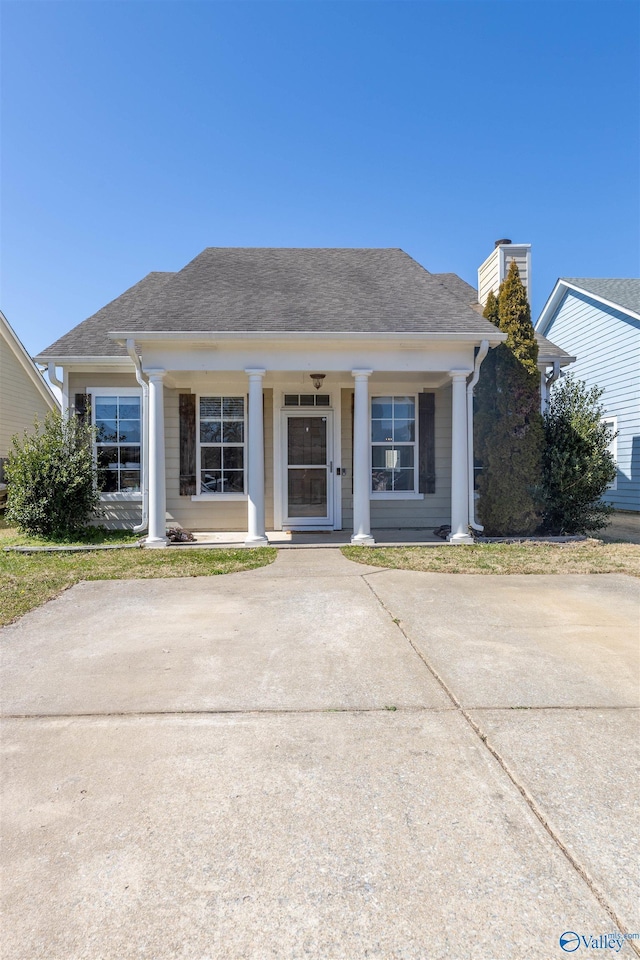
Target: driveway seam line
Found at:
276, 711
522, 790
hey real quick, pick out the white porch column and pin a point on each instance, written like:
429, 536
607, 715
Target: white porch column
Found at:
157, 489
256, 536
459, 487
361, 472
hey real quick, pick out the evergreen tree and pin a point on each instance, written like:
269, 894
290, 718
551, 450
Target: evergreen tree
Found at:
577, 463
509, 433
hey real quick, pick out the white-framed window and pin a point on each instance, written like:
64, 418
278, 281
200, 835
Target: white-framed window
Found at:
394, 455
116, 413
613, 446
221, 445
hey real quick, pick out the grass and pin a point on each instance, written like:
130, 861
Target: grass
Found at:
589, 556
11, 537
28, 580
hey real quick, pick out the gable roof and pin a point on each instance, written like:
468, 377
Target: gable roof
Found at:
620, 293
19, 353
281, 290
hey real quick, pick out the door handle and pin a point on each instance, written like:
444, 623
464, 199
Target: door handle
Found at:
331, 466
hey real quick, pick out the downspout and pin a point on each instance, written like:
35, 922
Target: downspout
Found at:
53, 378
482, 352
131, 350
548, 382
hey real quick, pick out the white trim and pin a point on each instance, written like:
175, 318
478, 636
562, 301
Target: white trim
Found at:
285, 336
395, 495
561, 288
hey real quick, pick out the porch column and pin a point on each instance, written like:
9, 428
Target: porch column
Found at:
157, 489
459, 487
256, 536
361, 472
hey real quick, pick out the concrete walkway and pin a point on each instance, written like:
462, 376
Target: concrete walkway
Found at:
321, 759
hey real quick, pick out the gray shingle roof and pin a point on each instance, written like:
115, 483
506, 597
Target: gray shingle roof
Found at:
288, 290
625, 292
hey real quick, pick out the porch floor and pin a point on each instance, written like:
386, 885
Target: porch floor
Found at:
323, 538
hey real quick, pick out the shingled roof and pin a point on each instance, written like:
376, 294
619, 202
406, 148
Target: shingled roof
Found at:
282, 290
623, 291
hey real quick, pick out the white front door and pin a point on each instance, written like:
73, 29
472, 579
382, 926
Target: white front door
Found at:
308, 468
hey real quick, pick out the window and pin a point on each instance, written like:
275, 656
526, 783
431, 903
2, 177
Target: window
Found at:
118, 422
306, 400
393, 444
221, 446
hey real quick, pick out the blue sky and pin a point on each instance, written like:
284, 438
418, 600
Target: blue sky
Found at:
134, 134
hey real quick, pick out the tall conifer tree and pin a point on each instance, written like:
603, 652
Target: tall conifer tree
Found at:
509, 432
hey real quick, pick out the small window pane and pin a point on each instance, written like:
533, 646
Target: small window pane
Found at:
106, 408
403, 480
291, 399
210, 431
106, 431
108, 481
380, 457
211, 407
381, 480
130, 457
233, 431
233, 481
210, 482
129, 408
233, 458
322, 400
404, 456
106, 457
211, 458
233, 408
382, 431
307, 400
130, 481
381, 408
129, 431
404, 408
404, 431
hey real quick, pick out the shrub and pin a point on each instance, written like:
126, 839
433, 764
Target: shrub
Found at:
51, 475
508, 424
577, 463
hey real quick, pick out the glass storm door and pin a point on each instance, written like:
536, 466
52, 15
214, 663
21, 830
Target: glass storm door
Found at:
308, 469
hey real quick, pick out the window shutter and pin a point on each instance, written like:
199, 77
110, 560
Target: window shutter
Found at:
82, 403
187, 444
427, 442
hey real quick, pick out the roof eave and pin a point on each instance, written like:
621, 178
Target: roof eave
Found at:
199, 336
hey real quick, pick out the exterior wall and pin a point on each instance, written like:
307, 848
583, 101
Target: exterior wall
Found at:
20, 399
607, 344
430, 512
488, 276
495, 268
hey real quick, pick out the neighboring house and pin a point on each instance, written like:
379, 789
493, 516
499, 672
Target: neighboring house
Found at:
598, 320
24, 393
283, 389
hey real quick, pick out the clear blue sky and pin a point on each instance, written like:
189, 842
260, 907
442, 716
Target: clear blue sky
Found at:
137, 133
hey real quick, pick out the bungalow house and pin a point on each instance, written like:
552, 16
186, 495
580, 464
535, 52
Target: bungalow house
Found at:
598, 320
24, 393
300, 389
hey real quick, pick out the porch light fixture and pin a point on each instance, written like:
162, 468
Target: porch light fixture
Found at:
317, 379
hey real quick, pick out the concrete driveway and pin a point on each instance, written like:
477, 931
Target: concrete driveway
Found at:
322, 760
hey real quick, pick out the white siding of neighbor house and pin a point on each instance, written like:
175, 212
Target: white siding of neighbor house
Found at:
607, 344
427, 513
20, 400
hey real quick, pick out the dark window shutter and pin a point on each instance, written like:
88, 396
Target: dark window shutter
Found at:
187, 444
82, 405
427, 442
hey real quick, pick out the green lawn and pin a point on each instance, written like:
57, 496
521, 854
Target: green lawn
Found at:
27, 580
589, 556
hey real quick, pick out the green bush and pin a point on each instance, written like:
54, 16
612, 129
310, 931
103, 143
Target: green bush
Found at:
51, 477
507, 424
577, 464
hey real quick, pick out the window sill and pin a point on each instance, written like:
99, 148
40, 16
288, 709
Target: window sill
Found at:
120, 497
395, 495
220, 497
